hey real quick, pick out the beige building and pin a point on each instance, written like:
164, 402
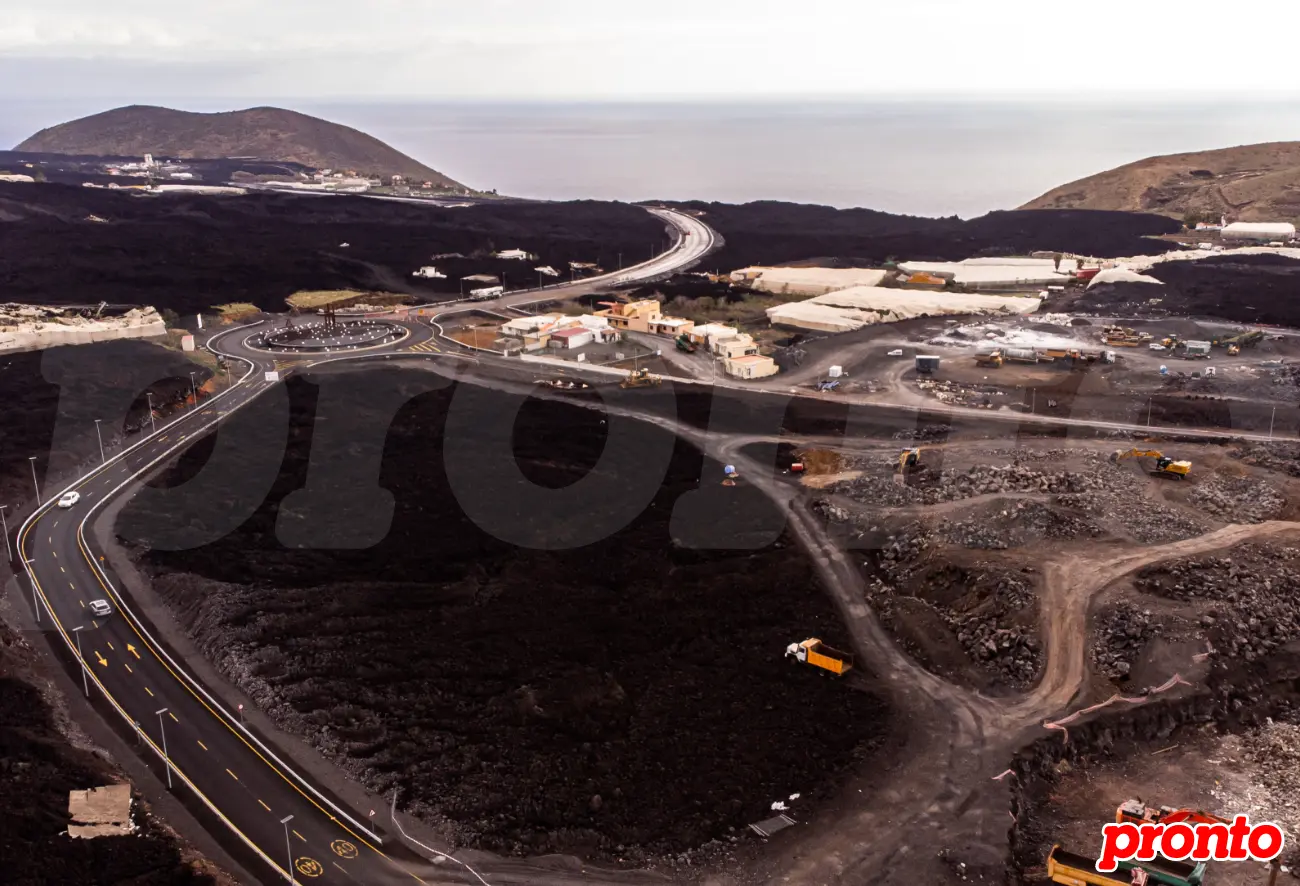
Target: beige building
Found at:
635, 316
750, 366
710, 334
740, 346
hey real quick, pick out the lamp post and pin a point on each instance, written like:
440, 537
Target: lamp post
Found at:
3, 524
288, 847
32, 459
162, 727
152, 421
100, 436
194, 391
1270, 436
85, 683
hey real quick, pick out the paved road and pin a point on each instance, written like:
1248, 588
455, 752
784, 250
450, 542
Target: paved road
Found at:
214, 761
182, 729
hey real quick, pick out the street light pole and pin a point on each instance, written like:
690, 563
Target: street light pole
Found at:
162, 727
32, 459
1270, 436
3, 524
288, 847
85, 683
99, 435
152, 421
194, 391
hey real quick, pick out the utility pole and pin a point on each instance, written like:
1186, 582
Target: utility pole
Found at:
101, 441
152, 421
85, 683
287, 845
32, 459
1270, 435
1148, 412
162, 727
194, 391
3, 524
620, 261
1033, 403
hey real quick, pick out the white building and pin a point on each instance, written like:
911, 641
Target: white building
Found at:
806, 281
513, 254
429, 272
1264, 231
711, 334
547, 270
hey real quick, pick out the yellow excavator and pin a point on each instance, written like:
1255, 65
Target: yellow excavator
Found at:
640, 378
1164, 466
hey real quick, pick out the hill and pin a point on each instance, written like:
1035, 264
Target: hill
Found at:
1245, 183
264, 133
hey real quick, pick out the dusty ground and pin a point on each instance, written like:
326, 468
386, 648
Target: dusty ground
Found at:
627, 700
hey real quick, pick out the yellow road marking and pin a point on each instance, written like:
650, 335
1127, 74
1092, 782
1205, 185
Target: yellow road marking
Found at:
71, 585
110, 645
300, 836
63, 569
202, 745
128, 668
85, 552
83, 603
264, 806
148, 690
173, 716
56, 554
232, 775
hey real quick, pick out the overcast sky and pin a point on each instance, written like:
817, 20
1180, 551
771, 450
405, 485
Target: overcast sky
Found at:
143, 50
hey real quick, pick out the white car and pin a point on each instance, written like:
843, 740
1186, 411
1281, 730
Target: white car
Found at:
69, 499
101, 608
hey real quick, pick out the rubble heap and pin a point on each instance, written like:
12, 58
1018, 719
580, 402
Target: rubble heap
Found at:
1015, 524
1281, 457
1145, 520
1238, 499
1272, 754
1120, 635
1249, 599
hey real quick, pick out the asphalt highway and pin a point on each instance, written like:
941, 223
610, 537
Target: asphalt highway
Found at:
275, 818
184, 732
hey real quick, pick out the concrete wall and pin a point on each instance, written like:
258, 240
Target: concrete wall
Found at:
43, 334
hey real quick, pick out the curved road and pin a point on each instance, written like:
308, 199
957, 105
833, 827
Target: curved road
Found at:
220, 766
191, 740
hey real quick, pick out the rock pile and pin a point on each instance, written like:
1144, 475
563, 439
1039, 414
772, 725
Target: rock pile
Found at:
1146, 521
1281, 457
1251, 602
1238, 499
1272, 754
1015, 524
1120, 635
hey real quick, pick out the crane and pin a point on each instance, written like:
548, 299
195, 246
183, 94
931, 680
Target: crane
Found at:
1164, 466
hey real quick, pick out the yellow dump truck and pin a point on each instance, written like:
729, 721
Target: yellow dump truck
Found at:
1070, 869
819, 655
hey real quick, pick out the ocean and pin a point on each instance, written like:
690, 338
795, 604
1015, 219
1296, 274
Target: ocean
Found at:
922, 157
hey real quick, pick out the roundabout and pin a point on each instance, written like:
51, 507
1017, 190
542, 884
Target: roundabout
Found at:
328, 336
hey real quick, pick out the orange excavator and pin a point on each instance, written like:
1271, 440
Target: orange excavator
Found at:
1137, 812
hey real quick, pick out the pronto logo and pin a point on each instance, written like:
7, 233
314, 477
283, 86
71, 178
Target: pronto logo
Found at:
1239, 841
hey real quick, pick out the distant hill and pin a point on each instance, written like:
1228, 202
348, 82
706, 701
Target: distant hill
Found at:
1245, 183
264, 133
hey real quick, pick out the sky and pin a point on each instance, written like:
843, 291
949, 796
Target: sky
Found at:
143, 50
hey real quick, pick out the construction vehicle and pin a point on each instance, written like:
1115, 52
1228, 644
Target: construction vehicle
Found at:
1137, 812
908, 458
1234, 350
819, 655
1164, 466
1124, 337
684, 343
993, 359
1071, 869
1240, 340
641, 378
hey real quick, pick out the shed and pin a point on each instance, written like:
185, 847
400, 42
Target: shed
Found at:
573, 337
1264, 231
